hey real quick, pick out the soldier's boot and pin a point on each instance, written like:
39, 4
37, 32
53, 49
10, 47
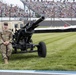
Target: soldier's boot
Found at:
6, 61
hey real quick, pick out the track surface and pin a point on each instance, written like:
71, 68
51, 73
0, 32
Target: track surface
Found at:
34, 72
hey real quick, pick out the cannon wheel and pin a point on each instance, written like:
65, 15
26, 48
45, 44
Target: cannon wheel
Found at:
42, 49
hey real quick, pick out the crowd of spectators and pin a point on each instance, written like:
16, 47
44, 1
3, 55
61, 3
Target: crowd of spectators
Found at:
49, 9
54, 9
11, 11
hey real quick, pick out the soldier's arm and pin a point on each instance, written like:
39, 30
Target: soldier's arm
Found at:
10, 37
1, 40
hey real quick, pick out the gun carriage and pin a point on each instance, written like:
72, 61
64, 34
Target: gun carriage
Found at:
22, 40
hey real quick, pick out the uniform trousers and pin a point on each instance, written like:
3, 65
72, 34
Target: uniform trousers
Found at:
6, 51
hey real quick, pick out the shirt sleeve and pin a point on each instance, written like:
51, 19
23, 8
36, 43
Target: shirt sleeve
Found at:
1, 41
10, 37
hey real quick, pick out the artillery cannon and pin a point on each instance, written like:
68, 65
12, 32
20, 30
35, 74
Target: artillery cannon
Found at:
22, 40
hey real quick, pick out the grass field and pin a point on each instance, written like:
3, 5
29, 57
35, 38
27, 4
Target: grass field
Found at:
61, 54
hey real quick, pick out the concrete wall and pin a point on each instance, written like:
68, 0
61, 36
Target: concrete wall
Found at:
56, 23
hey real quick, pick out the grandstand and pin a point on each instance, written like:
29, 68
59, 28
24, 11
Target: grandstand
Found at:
52, 9
37, 8
11, 11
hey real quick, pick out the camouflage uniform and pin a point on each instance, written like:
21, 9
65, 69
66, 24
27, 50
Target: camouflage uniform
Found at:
5, 50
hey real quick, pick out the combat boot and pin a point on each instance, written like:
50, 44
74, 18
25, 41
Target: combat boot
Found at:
5, 61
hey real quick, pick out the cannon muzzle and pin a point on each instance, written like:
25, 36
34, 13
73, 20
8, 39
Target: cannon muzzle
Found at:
39, 20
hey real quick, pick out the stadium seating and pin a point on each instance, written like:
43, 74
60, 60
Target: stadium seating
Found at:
54, 9
47, 8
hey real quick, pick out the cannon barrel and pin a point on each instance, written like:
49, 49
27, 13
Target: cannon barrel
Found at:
30, 26
39, 20
35, 24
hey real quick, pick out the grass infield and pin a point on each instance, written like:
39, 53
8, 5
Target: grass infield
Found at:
61, 54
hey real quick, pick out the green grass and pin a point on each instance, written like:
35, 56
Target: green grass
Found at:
61, 54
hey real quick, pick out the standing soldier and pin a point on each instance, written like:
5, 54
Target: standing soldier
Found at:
5, 42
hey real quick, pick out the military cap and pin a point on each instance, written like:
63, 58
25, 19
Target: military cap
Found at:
5, 24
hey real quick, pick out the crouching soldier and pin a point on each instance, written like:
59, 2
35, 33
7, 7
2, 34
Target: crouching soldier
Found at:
5, 42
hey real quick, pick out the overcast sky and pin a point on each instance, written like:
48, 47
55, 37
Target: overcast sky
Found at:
19, 3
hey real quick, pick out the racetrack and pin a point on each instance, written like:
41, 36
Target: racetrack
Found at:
35, 72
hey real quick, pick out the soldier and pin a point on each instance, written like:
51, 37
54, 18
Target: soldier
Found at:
5, 42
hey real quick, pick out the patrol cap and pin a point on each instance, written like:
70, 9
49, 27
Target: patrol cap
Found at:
5, 24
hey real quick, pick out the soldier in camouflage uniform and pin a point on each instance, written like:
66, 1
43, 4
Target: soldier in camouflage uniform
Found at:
5, 42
